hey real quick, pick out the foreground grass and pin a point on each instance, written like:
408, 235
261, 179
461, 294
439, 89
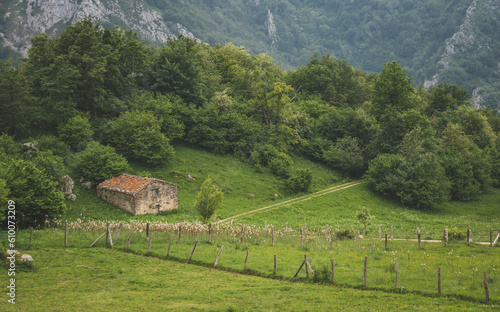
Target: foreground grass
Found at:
102, 280
462, 266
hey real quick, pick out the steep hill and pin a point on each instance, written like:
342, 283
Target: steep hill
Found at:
436, 40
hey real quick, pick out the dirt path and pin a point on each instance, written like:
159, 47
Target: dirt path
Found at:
292, 201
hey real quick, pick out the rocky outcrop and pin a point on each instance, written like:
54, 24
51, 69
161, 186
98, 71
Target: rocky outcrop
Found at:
29, 18
272, 30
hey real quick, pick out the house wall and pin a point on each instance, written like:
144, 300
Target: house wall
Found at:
150, 201
124, 201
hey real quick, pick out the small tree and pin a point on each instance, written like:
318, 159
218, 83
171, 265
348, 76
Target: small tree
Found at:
365, 218
99, 162
300, 181
209, 199
77, 132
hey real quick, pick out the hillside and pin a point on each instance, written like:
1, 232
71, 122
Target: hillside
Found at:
452, 41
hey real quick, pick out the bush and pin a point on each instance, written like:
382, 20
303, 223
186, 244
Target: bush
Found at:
455, 234
300, 181
51, 164
35, 193
280, 165
345, 233
137, 136
98, 162
51, 143
77, 132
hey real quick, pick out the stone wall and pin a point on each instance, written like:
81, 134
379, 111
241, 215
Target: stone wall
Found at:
157, 197
122, 200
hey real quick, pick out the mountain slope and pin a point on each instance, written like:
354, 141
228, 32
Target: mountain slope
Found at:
430, 38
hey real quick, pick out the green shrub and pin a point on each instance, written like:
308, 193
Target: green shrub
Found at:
98, 162
77, 132
455, 234
345, 233
300, 181
280, 165
137, 136
51, 143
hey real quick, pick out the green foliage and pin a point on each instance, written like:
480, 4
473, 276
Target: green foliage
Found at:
345, 233
33, 191
365, 218
98, 162
414, 176
52, 165
16, 107
4, 196
209, 199
8, 146
346, 155
300, 181
77, 132
137, 135
176, 69
280, 164
51, 143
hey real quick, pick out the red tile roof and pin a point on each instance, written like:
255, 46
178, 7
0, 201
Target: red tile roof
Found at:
126, 183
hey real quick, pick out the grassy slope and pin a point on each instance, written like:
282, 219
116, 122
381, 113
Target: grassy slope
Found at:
104, 280
235, 176
337, 209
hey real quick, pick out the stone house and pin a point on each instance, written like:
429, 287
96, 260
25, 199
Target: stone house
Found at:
139, 195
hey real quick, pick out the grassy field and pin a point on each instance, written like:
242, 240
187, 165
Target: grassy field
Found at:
462, 266
109, 280
338, 209
79, 278
244, 189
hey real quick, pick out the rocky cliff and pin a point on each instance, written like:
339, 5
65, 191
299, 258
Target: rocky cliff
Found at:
23, 19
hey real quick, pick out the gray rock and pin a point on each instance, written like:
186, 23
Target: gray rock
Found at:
87, 184
30, 148
71, 197
66, 185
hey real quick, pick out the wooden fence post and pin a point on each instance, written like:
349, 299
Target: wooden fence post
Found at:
333, 270
66, 234
265, 225
364, 271
300, 267
307, 267
392, 232
110, 239
496, 239
445, 237
129, 238
179, 237
485, 280
246, 259
31, 235
218, 256
215, 217
169, 243
301, 237
98, 239
210, 233
192, 252
243, 231
396, 280
286, 228
272, 234
439, 280
419, 240
491, 238
274, 271
468, 237
118, 232
331, 239
149, 244
386, 239
107, 234
147, 230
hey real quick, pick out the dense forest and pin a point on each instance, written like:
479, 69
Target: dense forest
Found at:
95, 99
